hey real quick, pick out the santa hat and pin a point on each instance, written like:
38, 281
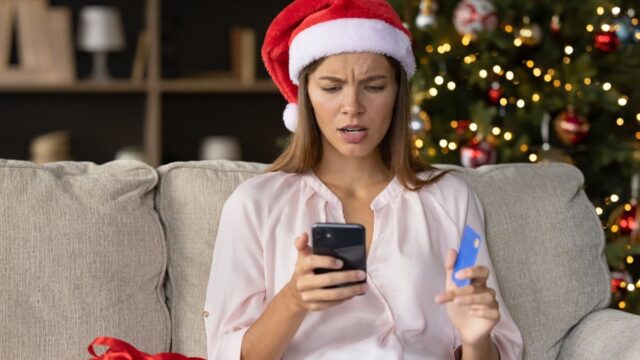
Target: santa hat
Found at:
308, 30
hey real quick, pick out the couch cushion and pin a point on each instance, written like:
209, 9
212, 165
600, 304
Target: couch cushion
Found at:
546, 243
82, 255
189, 200
543, 234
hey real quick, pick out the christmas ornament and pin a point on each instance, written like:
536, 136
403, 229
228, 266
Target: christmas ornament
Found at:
495, 93
548, 153
570, 127
625, 216
478, 152
463, 125
426, 16
529, 34
473, 16
619, 278
555, 25
606, 41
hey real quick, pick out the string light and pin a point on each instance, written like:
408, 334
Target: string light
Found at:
587, 81
443, 143
508, 28
454, 124
451, 85
638, 116
496, 131
537, 72
606, 86
620, 122
517, 42
433, 92
590, 28
453, 146
614, 198
615, 11
429, 49
509, 75
520, 103
530, 64
568, 87
535, 97
431, 152
419, 143
614, 229
638, 135
622, 304
504, 102
557, 83
497, 69
568, 50
566, 60
466, 39
623, 101
524, 148
631, 287
605, 27
483, 73
473, 127
599, 211
629, 259
533, 158
508, 136
600, 10
439, 80
470, 59
548, 78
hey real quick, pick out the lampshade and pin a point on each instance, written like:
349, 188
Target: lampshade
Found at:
100, 29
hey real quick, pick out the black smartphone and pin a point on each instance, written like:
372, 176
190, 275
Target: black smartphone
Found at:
341, 241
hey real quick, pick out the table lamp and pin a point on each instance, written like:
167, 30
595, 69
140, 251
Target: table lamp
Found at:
99, 32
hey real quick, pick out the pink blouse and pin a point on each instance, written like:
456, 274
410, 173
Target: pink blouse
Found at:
397, 318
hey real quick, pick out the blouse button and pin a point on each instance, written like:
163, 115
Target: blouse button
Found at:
206, 314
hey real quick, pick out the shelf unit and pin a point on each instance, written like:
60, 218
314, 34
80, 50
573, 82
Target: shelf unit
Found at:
152, 87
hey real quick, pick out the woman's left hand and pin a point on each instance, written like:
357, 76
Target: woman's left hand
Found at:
472, 309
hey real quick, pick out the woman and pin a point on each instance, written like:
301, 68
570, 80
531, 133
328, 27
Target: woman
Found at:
344, 66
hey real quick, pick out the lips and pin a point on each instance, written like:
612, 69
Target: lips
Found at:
353, 134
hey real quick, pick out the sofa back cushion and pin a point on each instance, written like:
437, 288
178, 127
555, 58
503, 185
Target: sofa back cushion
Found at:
189, 199
543, 234
82, 255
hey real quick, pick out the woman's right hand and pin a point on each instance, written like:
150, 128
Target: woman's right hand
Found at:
306, 288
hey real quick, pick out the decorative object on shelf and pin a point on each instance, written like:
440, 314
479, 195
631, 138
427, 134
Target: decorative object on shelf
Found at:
100, 31
243, 54
606, 41
43, 37
51, 147
570, 127
473, 16
478, 152
549, 153
141, 58
130, 153
427, 14
220, 147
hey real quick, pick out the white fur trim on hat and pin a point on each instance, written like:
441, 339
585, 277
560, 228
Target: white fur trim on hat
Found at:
290, 117
348, 36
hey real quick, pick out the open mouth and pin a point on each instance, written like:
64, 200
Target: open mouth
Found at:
352, 130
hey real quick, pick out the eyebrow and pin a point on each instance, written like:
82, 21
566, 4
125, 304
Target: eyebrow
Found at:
367, 79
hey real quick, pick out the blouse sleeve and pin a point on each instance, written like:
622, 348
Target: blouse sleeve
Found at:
235, 296
505, 334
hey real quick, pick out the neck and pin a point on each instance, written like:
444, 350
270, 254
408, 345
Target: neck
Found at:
351, 171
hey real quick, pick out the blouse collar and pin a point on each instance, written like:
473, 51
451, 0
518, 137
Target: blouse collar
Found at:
392, 189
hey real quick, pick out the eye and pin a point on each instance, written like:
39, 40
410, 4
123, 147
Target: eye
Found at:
376, 88
331, 89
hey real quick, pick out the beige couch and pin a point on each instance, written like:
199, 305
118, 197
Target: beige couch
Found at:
124, 250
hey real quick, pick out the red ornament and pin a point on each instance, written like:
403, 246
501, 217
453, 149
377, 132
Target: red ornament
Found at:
570, 127
606, 41
463, 125
495, 93
477, 152
555, 25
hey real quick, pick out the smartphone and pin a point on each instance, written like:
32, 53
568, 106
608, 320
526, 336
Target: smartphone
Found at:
467, 254
341, 241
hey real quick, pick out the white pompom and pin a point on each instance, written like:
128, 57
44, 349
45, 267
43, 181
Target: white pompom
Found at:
290, 117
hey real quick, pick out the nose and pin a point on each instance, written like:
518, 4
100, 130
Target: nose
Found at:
351, 102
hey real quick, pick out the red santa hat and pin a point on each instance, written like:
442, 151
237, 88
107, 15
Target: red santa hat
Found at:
308, 30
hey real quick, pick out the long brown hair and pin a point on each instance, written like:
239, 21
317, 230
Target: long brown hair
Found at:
305, 145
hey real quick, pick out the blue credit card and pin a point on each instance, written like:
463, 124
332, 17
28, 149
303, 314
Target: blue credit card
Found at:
467, 254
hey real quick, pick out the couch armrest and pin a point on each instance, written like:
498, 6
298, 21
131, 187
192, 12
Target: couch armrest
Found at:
603, 334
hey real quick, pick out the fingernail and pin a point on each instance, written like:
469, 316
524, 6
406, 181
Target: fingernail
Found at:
362, 275
339, 263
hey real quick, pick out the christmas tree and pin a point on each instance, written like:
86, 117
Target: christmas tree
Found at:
537, 81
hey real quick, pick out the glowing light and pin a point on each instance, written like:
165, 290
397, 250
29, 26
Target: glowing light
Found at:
530, 64
466, 39
433, 92
533, 158
638, 116
470, 59
620, 122
605, 27
520, 104
587, 81
419, 143
429, 49
535, 97
496, 131
631, 287
508, 136
483, 73
524, 148
452, 146
473, 127
599, 211
454, 124
443, 143
504, 102
548, 78
566, 60
600, 10
431, 152
590, 28
638, 135
508, 28
568, 87
629, 259
614, 198
510, 75
451, 85
439, 80
606, 86
614, 228
615, 11
557, 83
497, 69
622, 101
537, 72
517, 42
622, 304
568, 50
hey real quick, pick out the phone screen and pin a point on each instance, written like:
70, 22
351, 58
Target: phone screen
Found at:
341, 241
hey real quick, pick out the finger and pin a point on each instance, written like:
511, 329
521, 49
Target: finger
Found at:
450, 260
448, 296
486, 313
336, 294
478, 274
485, 298
321, 262
310, 282
302, 244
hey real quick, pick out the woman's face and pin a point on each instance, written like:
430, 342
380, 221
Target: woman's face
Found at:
353, 96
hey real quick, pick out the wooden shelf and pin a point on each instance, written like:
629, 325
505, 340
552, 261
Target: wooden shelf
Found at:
116, 86
217, 85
